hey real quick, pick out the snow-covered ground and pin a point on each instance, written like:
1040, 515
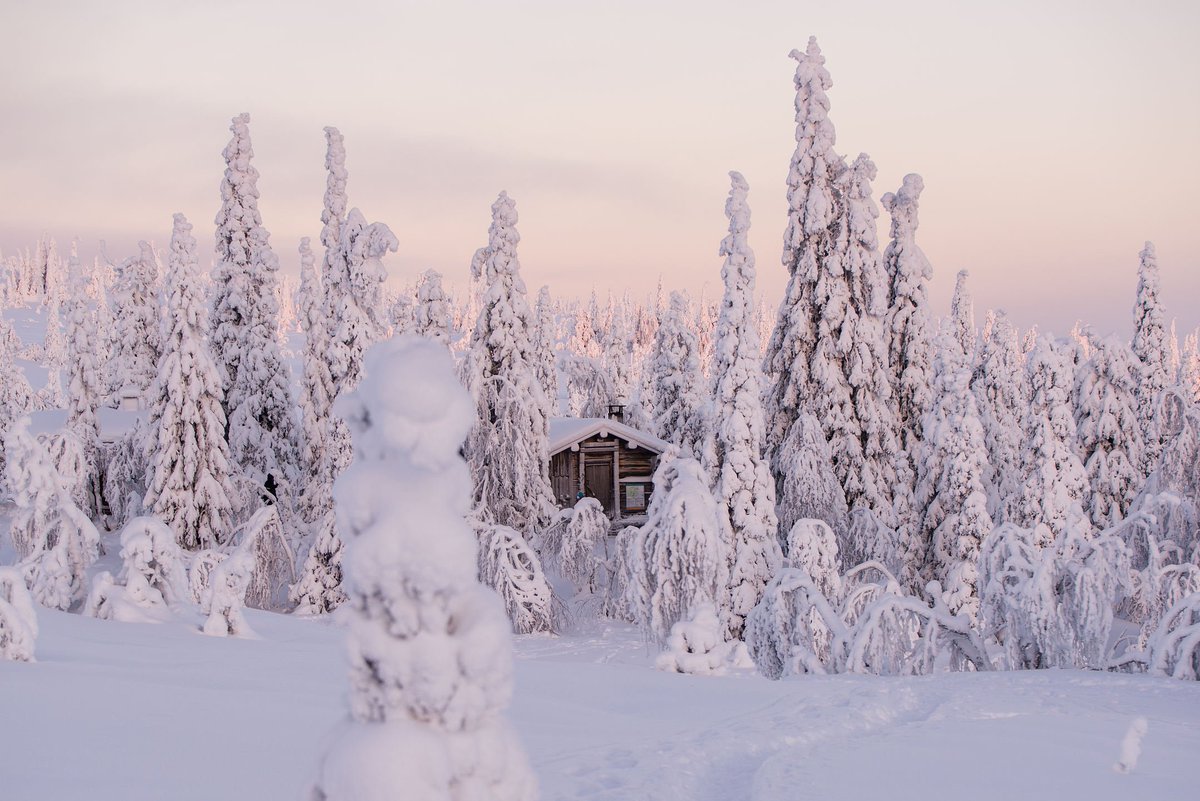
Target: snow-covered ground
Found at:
114, 711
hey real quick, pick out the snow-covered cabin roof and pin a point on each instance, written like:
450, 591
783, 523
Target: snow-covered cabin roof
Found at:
114, 423
566, 432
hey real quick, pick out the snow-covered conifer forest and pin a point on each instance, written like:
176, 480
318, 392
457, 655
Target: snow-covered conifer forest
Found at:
335, 537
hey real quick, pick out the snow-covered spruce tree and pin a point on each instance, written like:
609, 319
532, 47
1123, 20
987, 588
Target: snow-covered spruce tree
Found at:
402, 314
16, 396
1189, 367
679, 558
1001, 396
1150, 347
224, 597
808, 245
18, 620
697, 645
53, 395
1108, 426
84, 390
745, 491
508, 446
618, 357
318, 589
950, 488
56, 540
908, 327
431, 660
962, 315
1171, 495
136, 327
677, 396
513, 569
433, 316
813, 548
1054, 478
580, 550
358, 320
187, 460
811, 490
245, 337
546, 348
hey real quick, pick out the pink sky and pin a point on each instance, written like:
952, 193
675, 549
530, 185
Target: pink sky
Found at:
1052, 142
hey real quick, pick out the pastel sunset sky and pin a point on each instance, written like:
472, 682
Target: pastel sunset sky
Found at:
1054, 138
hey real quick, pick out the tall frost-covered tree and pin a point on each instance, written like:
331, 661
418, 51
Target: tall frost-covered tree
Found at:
545, 346
808, 246
1150, 347
1189, 368
1110, 439
245, 325
508, 447
431, 666
355, 291
677, 394
618, 356
909, 351
950, 490
1054, 478
187, 459
136, 335
745, 491
16, 396
962, 313
316, 396
1001, 395
84, 390
434, 315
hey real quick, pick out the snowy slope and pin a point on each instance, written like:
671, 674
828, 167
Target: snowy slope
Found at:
119, 711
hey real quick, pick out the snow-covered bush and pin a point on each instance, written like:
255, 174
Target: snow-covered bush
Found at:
509, 566
698, 646
430, 651
274, 562
579, 550
319, 588
1175, 646
794, 629
225, 596
1052, 607
808, 488
678, 558
125, 475
152, 576
200, 572
56, 540
812, 547
616, 599
18, 621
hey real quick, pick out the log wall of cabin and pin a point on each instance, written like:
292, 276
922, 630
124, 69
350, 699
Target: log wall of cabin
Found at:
632, 466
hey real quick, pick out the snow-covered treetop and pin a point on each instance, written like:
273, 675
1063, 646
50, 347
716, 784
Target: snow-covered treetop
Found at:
335, 189
814, 164
863, 265
903, 205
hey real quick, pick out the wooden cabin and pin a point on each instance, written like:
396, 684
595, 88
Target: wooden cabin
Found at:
605, 459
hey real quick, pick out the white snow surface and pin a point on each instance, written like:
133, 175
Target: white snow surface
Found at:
135, 711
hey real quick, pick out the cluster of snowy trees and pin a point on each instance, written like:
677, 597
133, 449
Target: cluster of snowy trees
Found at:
861, 485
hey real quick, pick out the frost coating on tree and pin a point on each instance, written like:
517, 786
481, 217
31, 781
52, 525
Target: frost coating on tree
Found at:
1002, 398
508, 448
808, 486
136, 328
909, 346
950, 488
1150, 347
546, 348
84, 390
18, 620
16, 396
679, 557
677, 389
812, 547
317, 393
581, 546
509, 566
187, 460
1189, 367
745, 490
1108, 426
430, 649
245, 324
962, 315
56, 541
152, 577
1052, 606
357, 319
433, 317
1055, 480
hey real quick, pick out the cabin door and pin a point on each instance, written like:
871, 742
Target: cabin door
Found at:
598, 480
